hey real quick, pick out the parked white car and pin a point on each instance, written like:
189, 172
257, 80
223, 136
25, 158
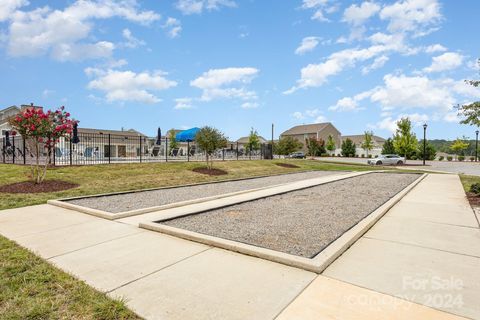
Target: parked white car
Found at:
387, 159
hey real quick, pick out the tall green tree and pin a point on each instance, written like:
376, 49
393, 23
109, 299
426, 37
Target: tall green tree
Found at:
458, 146
367, 143
404, 140
430, 152
209, 140
388, 147
253, 143
471, 112
287, 145
172, 141
315, 148
348, 148
330, 145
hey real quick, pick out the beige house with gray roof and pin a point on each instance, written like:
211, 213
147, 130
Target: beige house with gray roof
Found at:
317, 131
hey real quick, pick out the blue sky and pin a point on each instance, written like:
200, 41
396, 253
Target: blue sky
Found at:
239, 64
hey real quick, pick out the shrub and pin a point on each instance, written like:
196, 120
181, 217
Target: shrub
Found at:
363, 156
413, 157
371, 156
461, 158
348, 148
449, 158
472, 158
339, 155
324, 155
475, 188
356, 156
441, 158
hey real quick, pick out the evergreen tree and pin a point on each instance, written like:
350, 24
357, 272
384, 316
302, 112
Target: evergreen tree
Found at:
388, 147
348, 148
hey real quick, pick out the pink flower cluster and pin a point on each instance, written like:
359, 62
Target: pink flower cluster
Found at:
44, 127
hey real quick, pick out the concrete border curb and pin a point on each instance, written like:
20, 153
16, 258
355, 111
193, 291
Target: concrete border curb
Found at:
119, 215
317, 264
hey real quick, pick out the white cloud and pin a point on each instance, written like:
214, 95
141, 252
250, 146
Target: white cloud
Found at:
8, 7
173, 27
315, 75
226, 83
130, 40
183, 103
308, 44
444, 62
128, 85
320, 119
297, 115
412, 15
188, 7
358, 14
350, 104
250, 105
390, 123
377, 63
345, 104
401, 92
314, 115
80, 51
46, 31
47, 92
320, 6
435, 48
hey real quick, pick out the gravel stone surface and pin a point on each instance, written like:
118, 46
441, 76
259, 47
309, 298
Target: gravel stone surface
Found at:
301, 222
145, 199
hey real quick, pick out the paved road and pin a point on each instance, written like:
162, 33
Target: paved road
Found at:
469, 168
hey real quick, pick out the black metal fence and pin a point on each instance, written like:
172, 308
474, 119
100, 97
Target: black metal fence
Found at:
94, 148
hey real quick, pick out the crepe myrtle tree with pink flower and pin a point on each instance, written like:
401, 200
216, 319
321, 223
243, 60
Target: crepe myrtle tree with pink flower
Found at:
42, 130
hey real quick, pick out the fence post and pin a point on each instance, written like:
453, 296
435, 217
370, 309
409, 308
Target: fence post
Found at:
140, 149
109, 149
24, 151
13, 148
71, 151
188, 151
166, 149
237, 150
223, 154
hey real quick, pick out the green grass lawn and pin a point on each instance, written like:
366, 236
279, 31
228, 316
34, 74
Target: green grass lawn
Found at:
467, 181
31, 288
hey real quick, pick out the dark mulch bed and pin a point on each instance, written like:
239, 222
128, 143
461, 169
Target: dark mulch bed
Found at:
210, 172
287, 165
473, 199
30, 187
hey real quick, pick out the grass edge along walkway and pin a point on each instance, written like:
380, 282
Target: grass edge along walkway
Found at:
32, 288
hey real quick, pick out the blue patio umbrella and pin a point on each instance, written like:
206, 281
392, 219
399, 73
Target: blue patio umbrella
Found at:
187, 135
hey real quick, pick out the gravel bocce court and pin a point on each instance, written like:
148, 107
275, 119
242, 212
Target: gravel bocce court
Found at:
301, 222
152, 198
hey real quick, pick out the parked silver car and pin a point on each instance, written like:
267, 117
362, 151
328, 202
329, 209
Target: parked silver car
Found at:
387, 159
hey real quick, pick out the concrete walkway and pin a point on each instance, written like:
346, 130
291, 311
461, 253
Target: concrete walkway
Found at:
426, 249
429, 238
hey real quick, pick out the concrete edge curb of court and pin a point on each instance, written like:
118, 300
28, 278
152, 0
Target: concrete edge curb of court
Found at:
119, 215
317, 264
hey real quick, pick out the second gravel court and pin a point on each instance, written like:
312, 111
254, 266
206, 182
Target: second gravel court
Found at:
301, 222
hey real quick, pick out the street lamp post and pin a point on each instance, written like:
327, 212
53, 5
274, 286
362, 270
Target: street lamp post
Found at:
424, 142
476, 145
